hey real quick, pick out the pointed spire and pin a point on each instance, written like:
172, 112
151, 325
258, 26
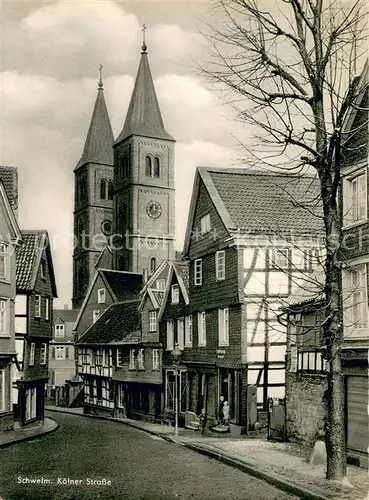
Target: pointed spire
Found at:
144, 116
99, 141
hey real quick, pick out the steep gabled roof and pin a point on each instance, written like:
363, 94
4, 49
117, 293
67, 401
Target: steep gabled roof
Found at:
155, 296
120, 324
65, 315
14, 231
255, 203
99, 141
28, 259
181, 271
144, 116
106, 251
150, 283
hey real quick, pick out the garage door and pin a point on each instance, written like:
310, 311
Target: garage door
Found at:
357, 414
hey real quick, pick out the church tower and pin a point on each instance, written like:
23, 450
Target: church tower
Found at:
144, 218
93, 201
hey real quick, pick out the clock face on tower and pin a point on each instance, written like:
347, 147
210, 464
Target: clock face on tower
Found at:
154, 209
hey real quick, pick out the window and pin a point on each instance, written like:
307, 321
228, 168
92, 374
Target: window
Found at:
31, 403
148, 166
119, 358
223, 326
220, 265
37, 306
2, 390
141, 359
201, 328
103, 189
43, 354
198, 272
132, 361
101, 296
278, 257
95, 315
355, 303
59, 352
205, 225
355, 199
43, 268
170, 336
4, 263
32, 354
153, 263
160, 284
110, 190
47, 308
152, 321
156, 167
175, 294
155, 359
59, 331
188, 331
120, 396
4, 304
180, 333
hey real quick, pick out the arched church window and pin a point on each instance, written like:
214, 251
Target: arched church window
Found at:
156, 167
148, 164
110, 190
103, 189
153, 263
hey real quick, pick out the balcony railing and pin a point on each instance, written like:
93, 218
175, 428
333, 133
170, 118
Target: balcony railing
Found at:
311, 361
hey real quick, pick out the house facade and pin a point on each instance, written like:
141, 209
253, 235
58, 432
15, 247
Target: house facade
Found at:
36, 289
61, 356
10, 238
248, 246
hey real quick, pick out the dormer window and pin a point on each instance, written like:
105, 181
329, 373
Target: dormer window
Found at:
205, 225
101, 296
103, 189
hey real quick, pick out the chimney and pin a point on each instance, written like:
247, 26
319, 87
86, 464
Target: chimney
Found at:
9, 177
145, 273
66, 307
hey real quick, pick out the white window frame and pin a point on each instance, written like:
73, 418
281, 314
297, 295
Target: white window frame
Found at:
156, 359
201, 328
43, 354
60, 352
31, 396
220, 265
47, 308
101, 296
352, 289
119, 357
170, 335
223, 327
153, 324
180, 332
37, 306
59, 330
279, 258
175, 294
95, 315
352, 201
32, 350
205, 224
132, 359
141, 359
4, 261
4, 315
188, 330
197, 272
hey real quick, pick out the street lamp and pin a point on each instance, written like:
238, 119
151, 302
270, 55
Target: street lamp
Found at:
176, 355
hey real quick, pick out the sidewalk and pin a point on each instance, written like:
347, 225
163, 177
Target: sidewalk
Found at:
284, 465
27, 433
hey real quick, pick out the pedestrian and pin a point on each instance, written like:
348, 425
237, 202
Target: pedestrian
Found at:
220, 410
202, 421
226, 414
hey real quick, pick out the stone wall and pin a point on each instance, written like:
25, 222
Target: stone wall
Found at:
6, 421
304, 407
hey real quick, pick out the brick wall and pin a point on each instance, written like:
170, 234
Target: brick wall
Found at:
304, 407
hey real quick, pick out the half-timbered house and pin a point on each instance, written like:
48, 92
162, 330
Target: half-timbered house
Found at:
250, 243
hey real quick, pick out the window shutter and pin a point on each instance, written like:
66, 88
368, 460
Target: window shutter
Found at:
347, 201
362, 197
66, 352
53, 353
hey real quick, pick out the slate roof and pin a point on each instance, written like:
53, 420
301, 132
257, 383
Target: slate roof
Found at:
123, 285
263, 203
99, 141
28, 258
66, 315
144, 116
9, 178
120, 324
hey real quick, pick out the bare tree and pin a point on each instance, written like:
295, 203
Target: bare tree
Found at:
287, 68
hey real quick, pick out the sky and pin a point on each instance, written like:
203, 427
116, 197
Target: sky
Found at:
50, 54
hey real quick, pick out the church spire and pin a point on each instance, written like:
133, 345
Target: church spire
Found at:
144, 116
100, 139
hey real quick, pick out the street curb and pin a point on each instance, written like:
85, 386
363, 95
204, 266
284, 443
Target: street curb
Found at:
270, 478
34, 436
